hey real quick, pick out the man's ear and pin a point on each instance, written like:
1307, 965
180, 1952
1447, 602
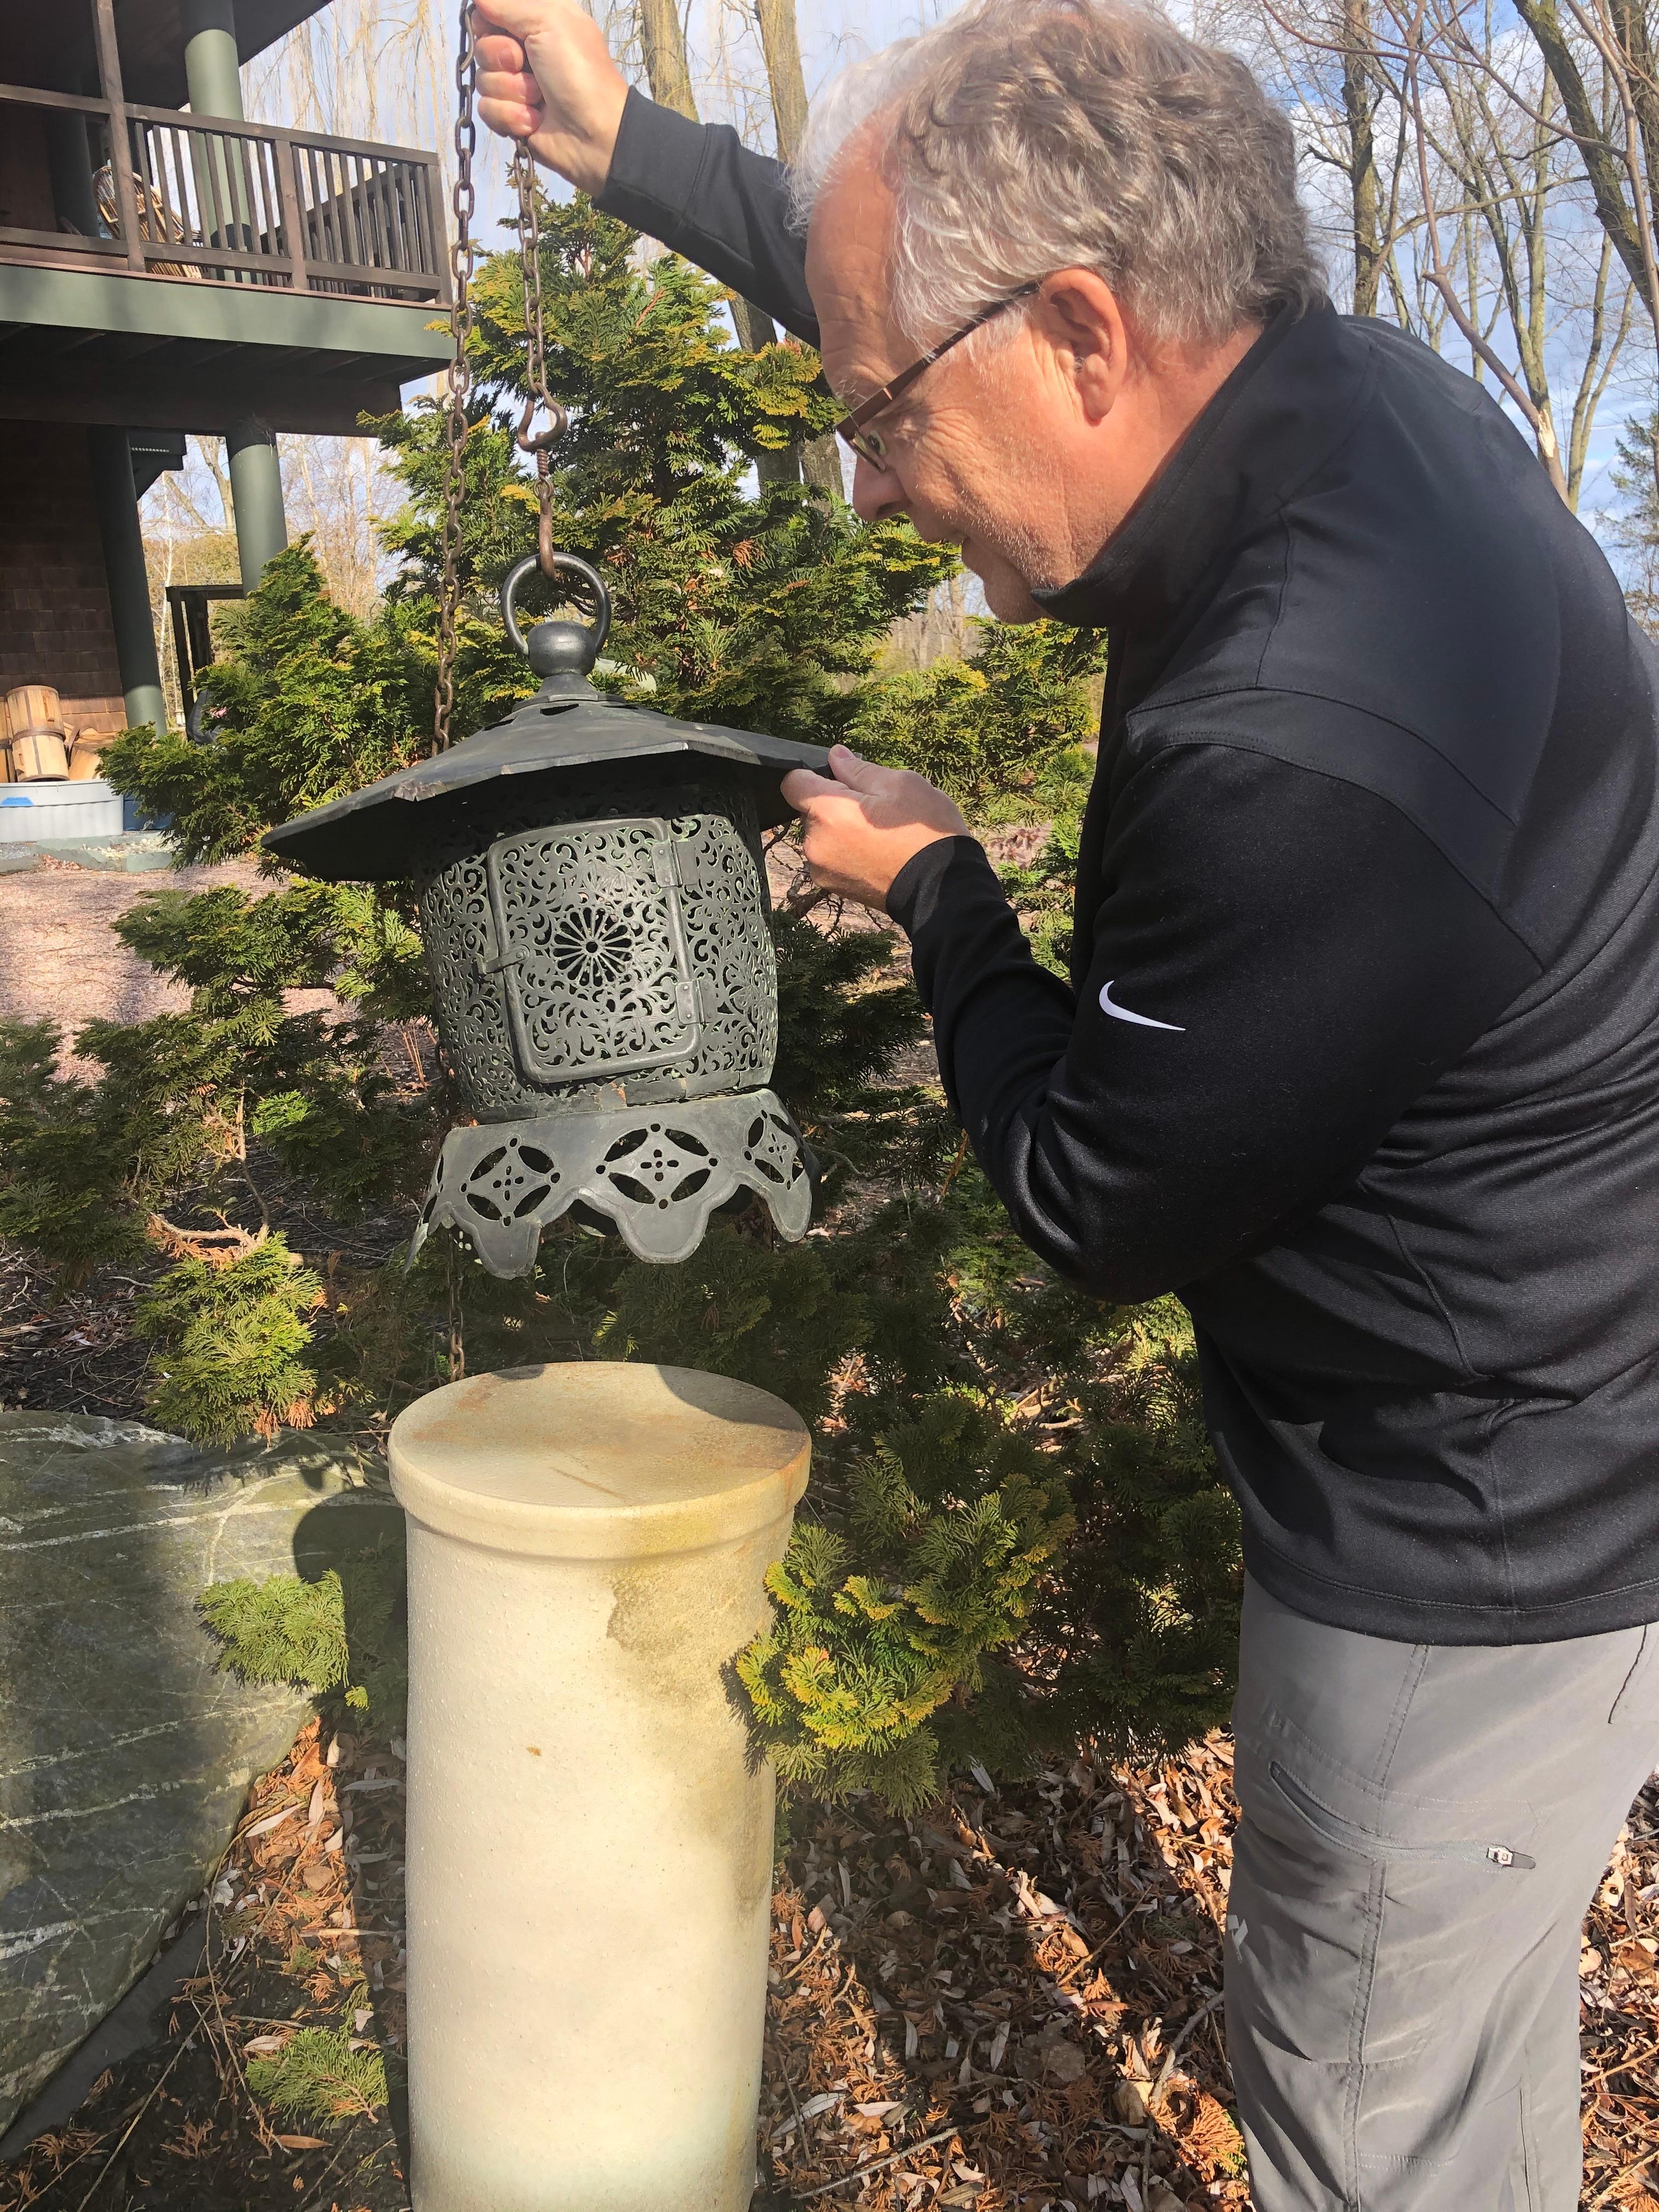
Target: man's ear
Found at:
1077, 314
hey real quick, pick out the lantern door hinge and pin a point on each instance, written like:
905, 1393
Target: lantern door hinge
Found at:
665, 865
493, 961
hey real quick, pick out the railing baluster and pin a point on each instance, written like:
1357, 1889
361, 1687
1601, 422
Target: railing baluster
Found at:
218, 229
319, 205
437, 256
288, 199
386, 226
391, 197
375, 214
339, 186
409, 216
248, 209
360, 247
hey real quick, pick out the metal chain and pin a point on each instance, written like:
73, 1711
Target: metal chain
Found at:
458, 380
529, 260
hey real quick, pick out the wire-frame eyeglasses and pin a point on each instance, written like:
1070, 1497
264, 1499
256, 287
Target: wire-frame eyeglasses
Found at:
868, 444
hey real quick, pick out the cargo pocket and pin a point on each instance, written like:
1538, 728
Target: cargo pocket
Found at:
1374, 1844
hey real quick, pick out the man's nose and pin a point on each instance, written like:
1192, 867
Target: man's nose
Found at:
876, 493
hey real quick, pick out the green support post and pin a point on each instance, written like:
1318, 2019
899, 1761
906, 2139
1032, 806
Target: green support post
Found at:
212, 63
213, 80
256, 498
128, 580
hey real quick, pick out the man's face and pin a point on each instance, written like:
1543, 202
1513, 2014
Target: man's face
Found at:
978, 447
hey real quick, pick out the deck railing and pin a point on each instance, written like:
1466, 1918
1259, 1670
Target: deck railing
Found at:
230, 202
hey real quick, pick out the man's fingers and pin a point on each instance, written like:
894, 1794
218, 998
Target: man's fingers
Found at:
804, 790
500, 55
518, 17
509, 118
859, 774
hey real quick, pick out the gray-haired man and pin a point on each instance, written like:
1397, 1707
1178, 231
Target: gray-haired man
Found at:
1359, 1054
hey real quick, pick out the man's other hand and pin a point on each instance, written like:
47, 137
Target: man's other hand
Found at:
545, 74
864, 823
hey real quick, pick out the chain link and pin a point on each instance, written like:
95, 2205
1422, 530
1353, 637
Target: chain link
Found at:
458, 381
539, 444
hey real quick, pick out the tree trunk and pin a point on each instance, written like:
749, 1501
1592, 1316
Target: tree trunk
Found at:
781, 44
1359, 103
665, 65
1603, 163
819, 458
1630, 19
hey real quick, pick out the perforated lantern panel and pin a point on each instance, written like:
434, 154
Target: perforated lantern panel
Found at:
610, 959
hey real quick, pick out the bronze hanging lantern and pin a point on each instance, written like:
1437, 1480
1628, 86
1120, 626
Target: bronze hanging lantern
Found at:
593, 910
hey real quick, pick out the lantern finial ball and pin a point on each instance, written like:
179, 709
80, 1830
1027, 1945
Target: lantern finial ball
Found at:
560, 648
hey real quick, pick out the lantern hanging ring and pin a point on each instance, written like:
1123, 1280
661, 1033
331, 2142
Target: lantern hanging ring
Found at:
554, 646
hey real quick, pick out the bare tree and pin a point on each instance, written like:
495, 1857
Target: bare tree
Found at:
1457, 204
1493, 133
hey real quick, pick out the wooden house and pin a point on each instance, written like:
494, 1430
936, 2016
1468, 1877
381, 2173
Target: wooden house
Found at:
168, 267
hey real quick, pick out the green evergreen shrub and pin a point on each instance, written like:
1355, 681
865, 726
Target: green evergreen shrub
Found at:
317, 2078
1016, 1535
340, 1635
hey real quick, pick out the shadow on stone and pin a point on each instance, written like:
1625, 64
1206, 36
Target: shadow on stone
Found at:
126, 1754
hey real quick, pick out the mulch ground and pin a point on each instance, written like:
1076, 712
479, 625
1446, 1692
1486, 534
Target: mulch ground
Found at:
1010, 2002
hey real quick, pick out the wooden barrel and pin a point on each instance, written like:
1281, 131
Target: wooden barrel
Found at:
86, 758
39, 756
33, 706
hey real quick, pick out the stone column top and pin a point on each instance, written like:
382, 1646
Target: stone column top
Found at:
598, 1459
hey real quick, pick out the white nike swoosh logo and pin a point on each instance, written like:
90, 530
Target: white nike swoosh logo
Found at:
1122, 1013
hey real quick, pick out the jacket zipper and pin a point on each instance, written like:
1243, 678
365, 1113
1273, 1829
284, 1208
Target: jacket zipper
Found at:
1370, 1845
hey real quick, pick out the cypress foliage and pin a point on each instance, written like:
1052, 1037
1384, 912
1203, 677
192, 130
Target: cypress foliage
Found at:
1016, 1535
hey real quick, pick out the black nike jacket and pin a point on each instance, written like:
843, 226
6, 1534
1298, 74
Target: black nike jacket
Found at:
1359, 1054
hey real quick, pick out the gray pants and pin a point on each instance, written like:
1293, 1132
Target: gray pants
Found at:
1423, 1829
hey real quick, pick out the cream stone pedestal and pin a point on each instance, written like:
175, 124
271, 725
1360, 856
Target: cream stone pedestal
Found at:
590, 1846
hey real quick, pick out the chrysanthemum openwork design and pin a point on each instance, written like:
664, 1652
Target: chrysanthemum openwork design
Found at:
627, 951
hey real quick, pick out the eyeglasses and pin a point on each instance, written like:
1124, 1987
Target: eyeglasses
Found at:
869, 445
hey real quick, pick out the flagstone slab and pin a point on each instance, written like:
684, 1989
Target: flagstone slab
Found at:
125, 1754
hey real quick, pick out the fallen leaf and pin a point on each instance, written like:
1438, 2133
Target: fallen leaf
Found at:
1064, 2061
1129, 2102
303, 2142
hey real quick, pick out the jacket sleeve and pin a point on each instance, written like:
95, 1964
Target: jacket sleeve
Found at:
1280, 964
698, 188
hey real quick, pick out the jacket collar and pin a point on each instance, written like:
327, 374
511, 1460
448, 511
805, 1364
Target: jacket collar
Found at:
1276, 416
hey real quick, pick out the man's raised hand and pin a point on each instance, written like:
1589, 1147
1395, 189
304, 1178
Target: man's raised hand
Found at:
545, 74
864, 823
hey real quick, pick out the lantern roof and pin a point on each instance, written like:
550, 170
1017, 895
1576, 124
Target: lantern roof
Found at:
372, 835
